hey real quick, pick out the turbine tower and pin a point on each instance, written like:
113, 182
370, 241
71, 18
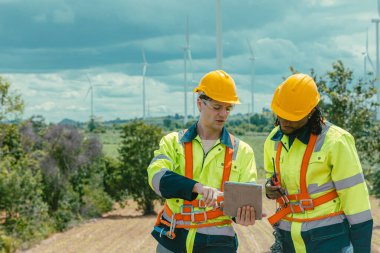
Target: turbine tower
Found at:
252, 59
187, 57
377, 21
367, 58
144, 67
219, 48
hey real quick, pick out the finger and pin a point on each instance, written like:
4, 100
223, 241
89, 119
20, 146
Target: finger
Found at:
253, 218
206, 196
242, 218
275, 188
238, 216
214, 198
247, 215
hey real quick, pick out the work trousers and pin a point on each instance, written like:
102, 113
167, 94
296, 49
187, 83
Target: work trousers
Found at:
208, 244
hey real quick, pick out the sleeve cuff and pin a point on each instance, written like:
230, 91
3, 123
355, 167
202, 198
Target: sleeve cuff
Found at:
173, 185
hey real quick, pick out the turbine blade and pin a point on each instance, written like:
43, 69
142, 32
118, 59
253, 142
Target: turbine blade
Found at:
366, 43
189, 55
370, 62
187, 32
378, 7
143, 55
88, 79
250, 49
144, 70
88, 91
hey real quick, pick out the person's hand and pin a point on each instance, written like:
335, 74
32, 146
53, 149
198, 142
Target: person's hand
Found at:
273, 192
246, 216
210, 195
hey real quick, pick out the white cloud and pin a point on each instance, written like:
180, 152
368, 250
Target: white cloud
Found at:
47, 106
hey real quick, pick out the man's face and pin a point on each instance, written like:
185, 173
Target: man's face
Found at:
214, 114
289, 127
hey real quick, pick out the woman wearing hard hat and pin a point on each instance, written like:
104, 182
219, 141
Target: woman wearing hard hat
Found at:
314, 173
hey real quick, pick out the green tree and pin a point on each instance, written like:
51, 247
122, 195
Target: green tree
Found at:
11, 103
136, 151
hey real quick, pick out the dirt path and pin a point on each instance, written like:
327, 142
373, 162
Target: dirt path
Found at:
125, 230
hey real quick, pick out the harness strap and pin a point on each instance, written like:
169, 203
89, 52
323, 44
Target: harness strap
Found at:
302, 206
303, 200
193, 216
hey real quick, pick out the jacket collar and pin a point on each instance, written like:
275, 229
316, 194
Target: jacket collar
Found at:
303, 135
191, 133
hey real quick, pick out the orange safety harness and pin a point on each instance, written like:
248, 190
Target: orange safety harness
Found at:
187, 212
302, 201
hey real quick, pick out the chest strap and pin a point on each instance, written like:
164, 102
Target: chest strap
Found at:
303, 202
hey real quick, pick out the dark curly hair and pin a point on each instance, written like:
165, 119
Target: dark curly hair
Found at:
315, 122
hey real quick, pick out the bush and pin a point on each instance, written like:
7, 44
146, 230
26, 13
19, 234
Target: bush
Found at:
136, 151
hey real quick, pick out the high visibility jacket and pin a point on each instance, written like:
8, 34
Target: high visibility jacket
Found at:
333, 166
166, 177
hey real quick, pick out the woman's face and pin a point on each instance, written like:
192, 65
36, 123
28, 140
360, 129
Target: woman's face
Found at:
289, 127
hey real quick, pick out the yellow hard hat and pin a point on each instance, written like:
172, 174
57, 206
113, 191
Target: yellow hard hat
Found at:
295, 98
219, 86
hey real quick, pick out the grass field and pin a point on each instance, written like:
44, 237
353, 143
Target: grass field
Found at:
111, 141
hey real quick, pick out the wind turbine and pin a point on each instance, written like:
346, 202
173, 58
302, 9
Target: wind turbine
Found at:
145, 65
91, 90
219, 48
377, 21
366, 57
252, 59
187, 57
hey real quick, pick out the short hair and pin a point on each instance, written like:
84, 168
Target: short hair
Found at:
202, 95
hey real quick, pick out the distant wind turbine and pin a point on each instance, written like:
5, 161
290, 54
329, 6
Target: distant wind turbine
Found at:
187, 57
91, 91
366, 57
144, 68
219, 48
252, 59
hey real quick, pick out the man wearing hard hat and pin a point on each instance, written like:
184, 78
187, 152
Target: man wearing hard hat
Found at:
314, 173
189, 170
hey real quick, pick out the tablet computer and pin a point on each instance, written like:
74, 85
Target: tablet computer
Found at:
242, 194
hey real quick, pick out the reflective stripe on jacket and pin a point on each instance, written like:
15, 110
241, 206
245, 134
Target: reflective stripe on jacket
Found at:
334, 164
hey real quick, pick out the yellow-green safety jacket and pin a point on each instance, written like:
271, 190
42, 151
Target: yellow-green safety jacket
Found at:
334, 165
166, 177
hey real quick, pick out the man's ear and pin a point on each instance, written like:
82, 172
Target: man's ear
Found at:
199, 102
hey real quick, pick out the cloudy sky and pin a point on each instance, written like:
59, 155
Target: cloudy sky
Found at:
48, 48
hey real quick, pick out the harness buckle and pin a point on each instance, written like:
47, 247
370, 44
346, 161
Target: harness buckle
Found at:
306, 203
302, 204
187, 206
195, 213
201, 204
171, 234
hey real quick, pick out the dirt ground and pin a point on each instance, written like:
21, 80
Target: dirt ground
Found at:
125, 230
